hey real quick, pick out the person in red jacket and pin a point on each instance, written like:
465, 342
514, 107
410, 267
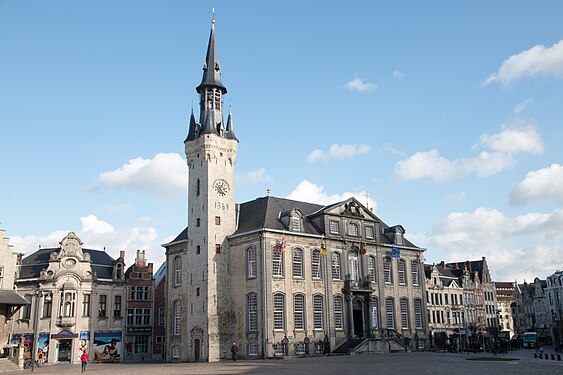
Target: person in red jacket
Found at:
84, 360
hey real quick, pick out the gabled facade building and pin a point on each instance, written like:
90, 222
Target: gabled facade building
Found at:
140, 298
446, 315
278, 276
554, 292
159, 314
505, 301
75, 302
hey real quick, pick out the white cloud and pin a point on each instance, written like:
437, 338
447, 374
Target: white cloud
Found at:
164, 175
397, 74
535, 61
520, 107
258, 176
544, 184
357, 84
515, 137
518, 247
335, 151
309, 192
518, 137
99, 235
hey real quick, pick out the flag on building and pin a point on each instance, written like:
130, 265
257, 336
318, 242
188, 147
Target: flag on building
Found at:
282, 245
395, 252
323, 248
420, 255
363, 247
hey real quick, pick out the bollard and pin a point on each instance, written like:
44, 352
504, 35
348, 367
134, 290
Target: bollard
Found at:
535, 355
558, 357
553, 357
546, 356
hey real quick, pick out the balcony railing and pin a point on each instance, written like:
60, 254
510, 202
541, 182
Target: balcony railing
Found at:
362, 285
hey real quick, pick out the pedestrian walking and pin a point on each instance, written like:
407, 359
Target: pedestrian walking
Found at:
84, 360
234, 351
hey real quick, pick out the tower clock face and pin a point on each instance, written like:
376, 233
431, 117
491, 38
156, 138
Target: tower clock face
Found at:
221, 187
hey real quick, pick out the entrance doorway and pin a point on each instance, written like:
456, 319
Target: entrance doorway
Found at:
196, 350
65, 351
358, 316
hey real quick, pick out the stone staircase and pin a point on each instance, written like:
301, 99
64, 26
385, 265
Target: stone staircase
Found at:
348, 346
7, 365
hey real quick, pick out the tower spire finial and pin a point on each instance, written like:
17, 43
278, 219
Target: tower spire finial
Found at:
213, 18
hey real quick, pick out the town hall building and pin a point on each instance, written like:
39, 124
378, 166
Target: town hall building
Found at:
277, 276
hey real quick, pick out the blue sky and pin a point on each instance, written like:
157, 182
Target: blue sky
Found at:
448, 114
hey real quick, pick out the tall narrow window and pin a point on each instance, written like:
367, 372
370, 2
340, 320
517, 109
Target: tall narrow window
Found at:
198, 186
374, 313
336, 266
295, 223
69, 303
86, 305
47, 305
369, 232
318, 320
316, 264
251, 262
176, 318
252, 306
387, 270
279, 311
26, 309
299, 311
1, 276
401, 272
277, 262
371, 269
102, 309
353, 266
161, 316
177, 270
390, 313
297, 263
338, 316
117, 306
414, 270
404, 313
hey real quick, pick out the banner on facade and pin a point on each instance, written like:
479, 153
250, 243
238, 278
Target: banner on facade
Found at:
84, 341
107, 346
43, 345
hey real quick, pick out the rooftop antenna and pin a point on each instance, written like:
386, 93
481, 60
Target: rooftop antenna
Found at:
367, 199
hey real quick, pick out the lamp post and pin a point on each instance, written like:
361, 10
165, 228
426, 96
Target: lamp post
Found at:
35, 347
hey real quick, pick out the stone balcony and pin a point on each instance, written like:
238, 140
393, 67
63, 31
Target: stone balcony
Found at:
65, 321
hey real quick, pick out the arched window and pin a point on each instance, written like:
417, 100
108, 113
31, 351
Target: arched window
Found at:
372, 269
277, 262
404, 304
316, 264
353, 266
336, 266
353, 229
387, 270
338, 312
374, 306
251, 262
299, 311
297, 263
252, 308
177, 317
279, 311
177, 270
414, 271
318, 319
69, 303
401, 272
418, 313
390, 313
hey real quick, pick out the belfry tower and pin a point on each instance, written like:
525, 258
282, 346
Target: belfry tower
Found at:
211, 151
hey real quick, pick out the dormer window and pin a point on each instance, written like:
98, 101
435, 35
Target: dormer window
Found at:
296, 223
353, 229
398, 237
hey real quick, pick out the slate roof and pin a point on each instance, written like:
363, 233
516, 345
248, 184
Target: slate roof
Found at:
102, 263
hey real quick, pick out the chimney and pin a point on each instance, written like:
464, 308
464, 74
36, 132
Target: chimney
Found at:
122, 254
141, 260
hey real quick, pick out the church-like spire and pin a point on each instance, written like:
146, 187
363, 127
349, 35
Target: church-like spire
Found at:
211, 68
230, 131
193, 129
